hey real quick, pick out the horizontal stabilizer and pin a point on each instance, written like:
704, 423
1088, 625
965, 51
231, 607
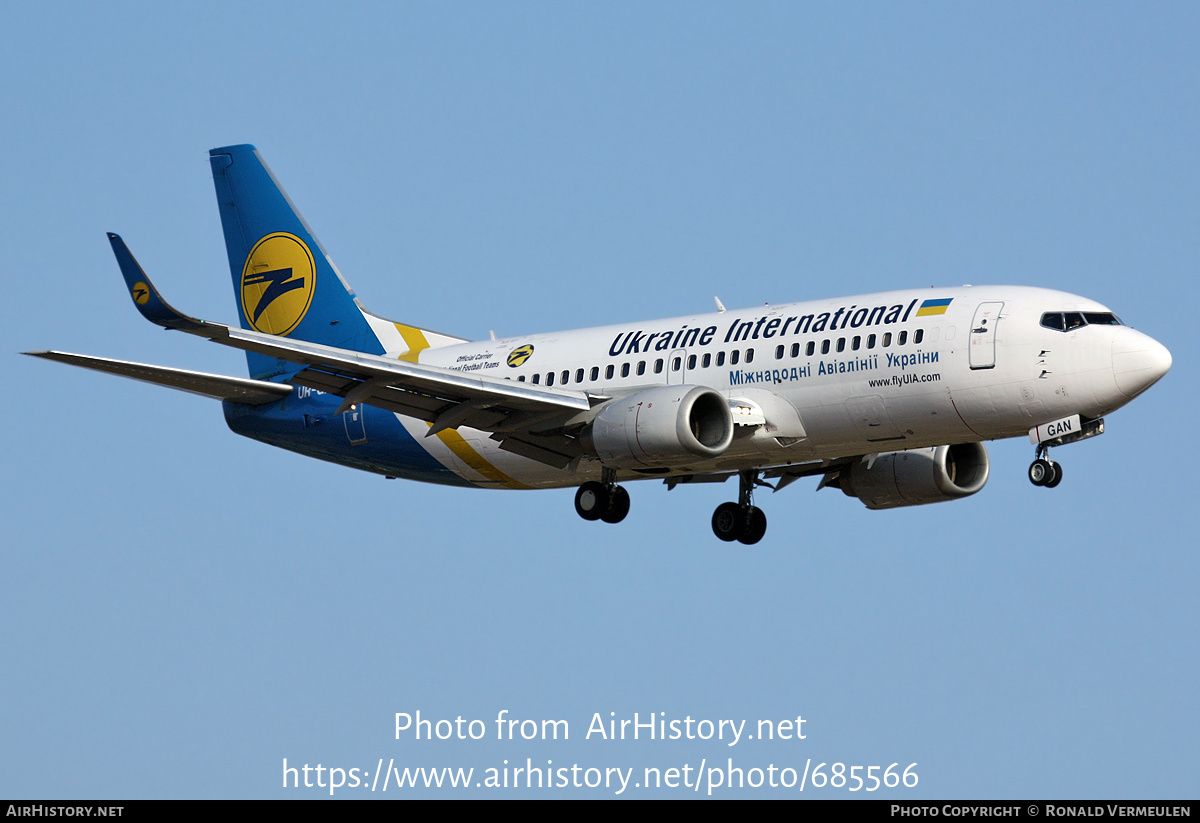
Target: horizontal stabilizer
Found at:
234, 389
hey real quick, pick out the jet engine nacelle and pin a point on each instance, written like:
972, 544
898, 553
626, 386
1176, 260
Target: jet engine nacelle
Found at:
666, 426
916, 476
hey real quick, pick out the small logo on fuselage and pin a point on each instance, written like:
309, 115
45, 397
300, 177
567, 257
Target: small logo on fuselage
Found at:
519, 355
278, 282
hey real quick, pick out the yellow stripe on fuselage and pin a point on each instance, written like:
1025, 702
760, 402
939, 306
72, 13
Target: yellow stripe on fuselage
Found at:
414, 338
467, 454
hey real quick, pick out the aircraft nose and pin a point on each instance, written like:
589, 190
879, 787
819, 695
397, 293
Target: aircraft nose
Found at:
1138, 361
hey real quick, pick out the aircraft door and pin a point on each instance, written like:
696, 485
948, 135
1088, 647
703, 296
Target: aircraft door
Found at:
983, 336
677, 368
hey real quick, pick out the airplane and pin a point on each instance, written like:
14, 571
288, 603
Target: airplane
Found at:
886, 397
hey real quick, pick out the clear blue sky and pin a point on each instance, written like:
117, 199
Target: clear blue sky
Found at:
181, 609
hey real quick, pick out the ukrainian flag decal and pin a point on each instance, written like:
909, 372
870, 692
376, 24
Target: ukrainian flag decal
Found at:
278, 282
931, 307
519, 355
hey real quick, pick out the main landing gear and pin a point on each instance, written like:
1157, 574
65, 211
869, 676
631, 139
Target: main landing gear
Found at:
604, 500
740, 521
1043, 471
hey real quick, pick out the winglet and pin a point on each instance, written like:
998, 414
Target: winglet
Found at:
145, 297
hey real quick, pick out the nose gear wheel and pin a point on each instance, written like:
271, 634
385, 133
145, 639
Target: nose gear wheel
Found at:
1043, 471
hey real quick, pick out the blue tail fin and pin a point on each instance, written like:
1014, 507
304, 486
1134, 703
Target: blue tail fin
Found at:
283, 281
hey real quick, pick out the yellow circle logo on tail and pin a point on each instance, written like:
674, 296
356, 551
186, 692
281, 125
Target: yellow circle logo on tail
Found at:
141, 293
278, 282
519, 355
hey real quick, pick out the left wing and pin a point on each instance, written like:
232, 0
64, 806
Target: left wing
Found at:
525, 419
236, 389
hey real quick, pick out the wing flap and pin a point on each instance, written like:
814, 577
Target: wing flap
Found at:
786, 475
398, 374
553, 451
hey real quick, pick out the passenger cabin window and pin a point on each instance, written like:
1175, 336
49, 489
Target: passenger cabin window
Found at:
691, 361
608, 372
824, 347
579, 375
733, 357
779, 352
641, 369
810, 348
707, 361
624, 369
658, 366
902, 338
595, 373
918, 335
749, 355
549, 378
720, 358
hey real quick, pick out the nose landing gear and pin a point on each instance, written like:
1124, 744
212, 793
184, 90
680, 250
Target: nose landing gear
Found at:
741, 521
1045, 472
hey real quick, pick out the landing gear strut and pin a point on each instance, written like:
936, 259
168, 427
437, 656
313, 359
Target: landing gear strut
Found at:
1043, 471
604, 500
740, 521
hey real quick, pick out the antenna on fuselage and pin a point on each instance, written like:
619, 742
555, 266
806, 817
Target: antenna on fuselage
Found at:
720, 305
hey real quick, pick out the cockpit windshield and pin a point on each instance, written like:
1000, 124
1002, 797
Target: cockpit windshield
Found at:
1071, 320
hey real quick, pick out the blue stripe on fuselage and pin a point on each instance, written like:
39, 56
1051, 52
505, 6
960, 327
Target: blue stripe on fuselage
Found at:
309, 426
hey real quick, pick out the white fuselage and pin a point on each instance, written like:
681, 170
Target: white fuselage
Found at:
833, 378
